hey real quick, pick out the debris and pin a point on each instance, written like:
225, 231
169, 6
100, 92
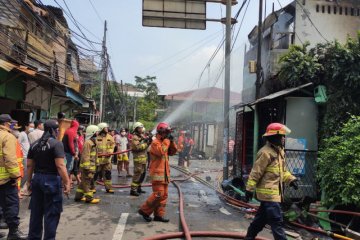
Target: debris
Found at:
224, 211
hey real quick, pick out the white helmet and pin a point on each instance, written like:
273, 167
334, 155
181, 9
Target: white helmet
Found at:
90, 131
137, 124
102, 125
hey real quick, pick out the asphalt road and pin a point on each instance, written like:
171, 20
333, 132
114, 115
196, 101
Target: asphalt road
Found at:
115, 217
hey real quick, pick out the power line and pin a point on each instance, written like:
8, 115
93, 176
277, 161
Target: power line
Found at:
242, 20
311, 21
96, 12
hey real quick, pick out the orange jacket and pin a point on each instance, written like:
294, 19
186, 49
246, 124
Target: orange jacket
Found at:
159, 159
181, 142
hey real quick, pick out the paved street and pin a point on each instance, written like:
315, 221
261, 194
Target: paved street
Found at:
116, 218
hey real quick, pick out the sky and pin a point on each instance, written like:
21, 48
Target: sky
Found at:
176, 57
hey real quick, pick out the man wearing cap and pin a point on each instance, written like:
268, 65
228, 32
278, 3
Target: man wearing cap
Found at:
9, 173
267, 178
37, 133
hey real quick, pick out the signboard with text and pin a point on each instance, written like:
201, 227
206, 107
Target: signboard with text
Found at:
185, 14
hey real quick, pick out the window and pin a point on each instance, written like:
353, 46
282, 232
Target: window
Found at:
358, 12
335, 9
329, 9
317, 8
346, 11
323, 9
340, 10
352, 12
210, 135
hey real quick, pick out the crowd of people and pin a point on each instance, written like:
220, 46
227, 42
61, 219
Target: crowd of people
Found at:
45, 161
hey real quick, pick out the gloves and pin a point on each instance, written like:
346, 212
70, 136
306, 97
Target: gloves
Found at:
170, 137
249, 196
295, 184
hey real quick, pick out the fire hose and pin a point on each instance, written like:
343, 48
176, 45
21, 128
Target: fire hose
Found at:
242, 204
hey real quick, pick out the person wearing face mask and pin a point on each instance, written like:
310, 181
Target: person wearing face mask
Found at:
37, 132
267, 178
10, 172
123, 159
161, 148
46, 162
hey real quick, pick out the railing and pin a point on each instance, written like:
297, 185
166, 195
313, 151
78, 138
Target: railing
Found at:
302, 164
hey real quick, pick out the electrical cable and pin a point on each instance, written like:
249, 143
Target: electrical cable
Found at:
96, 12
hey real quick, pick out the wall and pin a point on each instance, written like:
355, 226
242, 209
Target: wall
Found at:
38, 97
332, 26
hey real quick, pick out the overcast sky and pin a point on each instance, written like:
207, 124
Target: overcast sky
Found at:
175, 56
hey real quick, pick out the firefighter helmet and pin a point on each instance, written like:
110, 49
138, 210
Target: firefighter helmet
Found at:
102, 125
276, 129
137, 124
163, 127
90, 131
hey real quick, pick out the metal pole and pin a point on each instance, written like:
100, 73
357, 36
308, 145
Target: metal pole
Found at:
258, 62
227, 89
104, 70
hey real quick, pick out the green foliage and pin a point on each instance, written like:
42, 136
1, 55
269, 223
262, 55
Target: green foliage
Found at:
146, 106
335, 65
298, 66
339, 165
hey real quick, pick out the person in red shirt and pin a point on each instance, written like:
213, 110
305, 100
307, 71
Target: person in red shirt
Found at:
187, 150
71, 147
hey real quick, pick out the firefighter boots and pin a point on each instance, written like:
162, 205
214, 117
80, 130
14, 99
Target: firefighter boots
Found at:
161, 219
134, 193
145, 216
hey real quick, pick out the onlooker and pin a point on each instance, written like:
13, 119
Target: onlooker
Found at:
231, 151
123, 159
37, 133
187, 149
25, 146
76, 165
46, 161
70, 142
9, 199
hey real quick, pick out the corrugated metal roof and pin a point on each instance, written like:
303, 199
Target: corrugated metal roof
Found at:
274, 95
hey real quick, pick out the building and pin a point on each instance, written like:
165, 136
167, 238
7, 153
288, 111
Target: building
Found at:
313, 21
200, 112
39, 63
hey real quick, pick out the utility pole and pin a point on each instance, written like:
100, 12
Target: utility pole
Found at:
227, 89
104, 73
258, 61
258, 82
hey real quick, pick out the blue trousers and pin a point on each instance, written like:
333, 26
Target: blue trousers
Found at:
268, 213
9, 203
69, 162
45, 204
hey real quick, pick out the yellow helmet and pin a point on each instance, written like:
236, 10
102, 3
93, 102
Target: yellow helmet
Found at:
102, 125
90, 131
137, 124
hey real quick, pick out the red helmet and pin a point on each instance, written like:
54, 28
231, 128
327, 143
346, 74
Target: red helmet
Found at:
276, 129
163, 127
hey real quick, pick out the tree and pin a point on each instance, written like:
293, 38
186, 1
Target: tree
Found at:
335, 65
339, 165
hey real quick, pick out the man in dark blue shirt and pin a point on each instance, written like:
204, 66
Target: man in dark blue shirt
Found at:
46, 161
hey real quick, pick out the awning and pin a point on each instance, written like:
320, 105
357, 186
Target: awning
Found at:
273, 96
77, 97
8, 66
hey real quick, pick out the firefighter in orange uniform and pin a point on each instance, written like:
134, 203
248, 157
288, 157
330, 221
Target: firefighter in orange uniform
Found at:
180, 147
161, 148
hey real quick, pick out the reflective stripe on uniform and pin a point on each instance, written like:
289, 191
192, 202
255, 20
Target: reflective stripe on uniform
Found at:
251, 183
286, 176
267, 191
157, 178
140, 158
13, 170
272, 169
79, 190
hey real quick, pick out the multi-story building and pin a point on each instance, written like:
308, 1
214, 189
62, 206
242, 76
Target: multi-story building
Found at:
312, 21
39, 62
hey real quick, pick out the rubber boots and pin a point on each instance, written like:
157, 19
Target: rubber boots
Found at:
110, 191
3, 224
16, 234
139, 190
145, 216
134, 193
94, 201
161, 219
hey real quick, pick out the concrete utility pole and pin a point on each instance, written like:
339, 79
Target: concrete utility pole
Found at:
227, 89
104, 73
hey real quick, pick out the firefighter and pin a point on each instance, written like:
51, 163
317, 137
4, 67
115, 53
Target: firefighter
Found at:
180, 146
139, 146
9, 174
161, 148
105, 145
88, 167
267, 179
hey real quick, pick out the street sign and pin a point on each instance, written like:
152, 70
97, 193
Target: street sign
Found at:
185, 14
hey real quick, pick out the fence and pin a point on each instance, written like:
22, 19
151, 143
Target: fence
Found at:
302, 164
